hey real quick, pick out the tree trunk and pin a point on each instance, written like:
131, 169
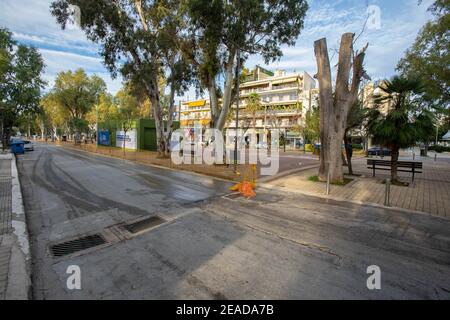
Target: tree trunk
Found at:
169, 128
348, 155
226, 100
153, 93
213, 101
325, 98
334, 108
123, 144
394, 162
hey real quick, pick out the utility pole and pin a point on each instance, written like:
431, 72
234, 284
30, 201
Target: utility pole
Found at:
96, 126
237, 109
437, 133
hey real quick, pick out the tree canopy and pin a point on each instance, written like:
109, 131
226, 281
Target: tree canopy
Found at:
428, 59
75, 93
405, 122
21, 81
141, 40
221, 28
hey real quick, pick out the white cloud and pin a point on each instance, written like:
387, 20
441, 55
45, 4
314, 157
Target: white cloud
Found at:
32, 23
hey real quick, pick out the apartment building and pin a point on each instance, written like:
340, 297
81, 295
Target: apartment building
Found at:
195, 114
284, 100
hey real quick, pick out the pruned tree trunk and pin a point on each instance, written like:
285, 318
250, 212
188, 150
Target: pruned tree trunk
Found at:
334, 108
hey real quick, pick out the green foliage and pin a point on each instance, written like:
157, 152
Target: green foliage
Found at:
219, 28
406, 121
143, 40
357, 116
20, 80
357, 146
428, 59
439, 148
75, 94
128, 109
310, 128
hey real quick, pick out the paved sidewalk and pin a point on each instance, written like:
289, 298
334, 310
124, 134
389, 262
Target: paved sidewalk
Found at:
430, 193
14, 246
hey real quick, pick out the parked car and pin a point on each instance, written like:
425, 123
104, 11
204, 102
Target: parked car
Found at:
28, 145
376, 151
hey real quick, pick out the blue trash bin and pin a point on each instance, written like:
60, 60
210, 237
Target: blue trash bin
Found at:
17, 147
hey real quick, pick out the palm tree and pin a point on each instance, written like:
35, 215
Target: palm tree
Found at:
253, 106
404, 121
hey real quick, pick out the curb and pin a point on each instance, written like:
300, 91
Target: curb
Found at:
286, 173
19, 280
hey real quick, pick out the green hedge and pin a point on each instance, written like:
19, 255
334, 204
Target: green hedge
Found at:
357, 146
439, 149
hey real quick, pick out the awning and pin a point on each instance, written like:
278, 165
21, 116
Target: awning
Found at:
446, 136
199, 103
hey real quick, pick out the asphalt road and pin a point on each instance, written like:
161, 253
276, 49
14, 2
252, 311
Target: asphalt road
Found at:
275, 246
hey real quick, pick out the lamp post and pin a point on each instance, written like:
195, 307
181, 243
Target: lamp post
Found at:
237, 110
96, 125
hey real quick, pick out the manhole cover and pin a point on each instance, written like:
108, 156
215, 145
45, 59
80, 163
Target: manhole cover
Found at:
80, 244
144, 224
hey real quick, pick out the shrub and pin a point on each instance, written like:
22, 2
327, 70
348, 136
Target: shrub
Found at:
357, 146
439, 149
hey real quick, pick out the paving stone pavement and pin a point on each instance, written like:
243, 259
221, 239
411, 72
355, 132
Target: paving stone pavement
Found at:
430, 193
5, 222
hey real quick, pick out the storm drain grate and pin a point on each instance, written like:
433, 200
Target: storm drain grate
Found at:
80, 244
144, 224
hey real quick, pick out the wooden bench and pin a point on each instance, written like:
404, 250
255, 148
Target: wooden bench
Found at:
403, 166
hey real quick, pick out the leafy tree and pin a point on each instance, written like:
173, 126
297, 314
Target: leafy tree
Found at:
221, 28
52, 115
128, 111
310, 127
20, 82
405, 122
253, 106
142, 40
428, 59
76, 93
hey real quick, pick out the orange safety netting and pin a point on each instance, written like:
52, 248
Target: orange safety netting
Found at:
245, 188
248, 184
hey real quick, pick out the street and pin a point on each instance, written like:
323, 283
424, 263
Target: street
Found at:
277, 245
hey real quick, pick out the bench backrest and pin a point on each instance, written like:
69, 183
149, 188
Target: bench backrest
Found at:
400, 164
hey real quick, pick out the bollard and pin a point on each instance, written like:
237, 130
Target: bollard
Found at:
387, 192
328, 183
435, 156
414, 156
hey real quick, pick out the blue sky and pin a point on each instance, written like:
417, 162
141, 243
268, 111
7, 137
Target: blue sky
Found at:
31, 23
